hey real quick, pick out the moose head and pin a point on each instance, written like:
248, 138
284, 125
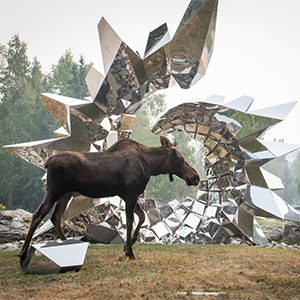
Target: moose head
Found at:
177, 164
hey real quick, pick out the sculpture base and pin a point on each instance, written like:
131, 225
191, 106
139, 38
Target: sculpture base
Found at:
55, 257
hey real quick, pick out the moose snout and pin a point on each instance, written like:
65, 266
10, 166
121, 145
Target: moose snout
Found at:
193, 179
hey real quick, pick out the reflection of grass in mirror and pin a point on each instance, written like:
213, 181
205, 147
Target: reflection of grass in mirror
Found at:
40, 264
161, 272
270, 222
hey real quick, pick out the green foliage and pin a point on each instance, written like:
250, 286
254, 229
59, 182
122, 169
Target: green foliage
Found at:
160, 187
68, 77
153, 106
2, 207
23, 118
251, 123
18, 116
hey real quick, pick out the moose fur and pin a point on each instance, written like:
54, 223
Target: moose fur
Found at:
124, 170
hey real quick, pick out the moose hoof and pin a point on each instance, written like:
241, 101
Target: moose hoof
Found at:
130, 255
22, 258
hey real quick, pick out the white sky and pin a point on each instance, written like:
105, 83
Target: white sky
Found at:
256, 52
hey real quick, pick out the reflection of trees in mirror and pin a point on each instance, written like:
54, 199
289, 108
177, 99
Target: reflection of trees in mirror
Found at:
296, 166
287, 168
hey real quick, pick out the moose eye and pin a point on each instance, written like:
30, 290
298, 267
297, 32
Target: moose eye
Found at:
180, 158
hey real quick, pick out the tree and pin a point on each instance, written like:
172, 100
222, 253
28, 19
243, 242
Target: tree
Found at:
22, 119
62, 74
160, 187
68, 77
152, 107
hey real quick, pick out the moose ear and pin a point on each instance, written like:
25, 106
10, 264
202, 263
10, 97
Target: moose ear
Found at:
166, 143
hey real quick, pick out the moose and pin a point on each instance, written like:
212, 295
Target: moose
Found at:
123, 170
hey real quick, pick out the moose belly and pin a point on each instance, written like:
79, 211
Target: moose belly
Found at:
96, 190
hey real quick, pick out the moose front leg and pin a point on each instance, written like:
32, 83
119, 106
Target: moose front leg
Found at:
138, 210
129, 224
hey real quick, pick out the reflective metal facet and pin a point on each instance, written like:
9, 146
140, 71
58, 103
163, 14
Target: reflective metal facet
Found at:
236, 187
188, 64
233, 160
58, 258
128, 79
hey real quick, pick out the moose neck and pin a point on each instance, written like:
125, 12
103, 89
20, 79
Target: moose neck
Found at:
157, 158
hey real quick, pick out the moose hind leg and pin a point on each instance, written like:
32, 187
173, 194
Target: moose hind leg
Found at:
37, 217
138, 210
58, 212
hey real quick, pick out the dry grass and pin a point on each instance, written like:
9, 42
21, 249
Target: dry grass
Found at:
161, 272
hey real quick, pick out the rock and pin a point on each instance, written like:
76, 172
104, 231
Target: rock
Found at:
291, 233
10, 246
281, 246
14, 225
274, 233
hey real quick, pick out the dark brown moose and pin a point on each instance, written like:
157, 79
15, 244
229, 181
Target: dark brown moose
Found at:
124, 170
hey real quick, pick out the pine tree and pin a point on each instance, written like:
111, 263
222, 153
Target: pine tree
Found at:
22, 119
68, 77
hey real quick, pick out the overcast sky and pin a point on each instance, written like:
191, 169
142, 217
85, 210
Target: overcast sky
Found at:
256, 52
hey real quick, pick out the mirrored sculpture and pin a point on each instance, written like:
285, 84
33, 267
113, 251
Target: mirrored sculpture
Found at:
235, 189
95, 123
54, 257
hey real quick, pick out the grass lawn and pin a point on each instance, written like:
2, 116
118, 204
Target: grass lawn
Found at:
162, 272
